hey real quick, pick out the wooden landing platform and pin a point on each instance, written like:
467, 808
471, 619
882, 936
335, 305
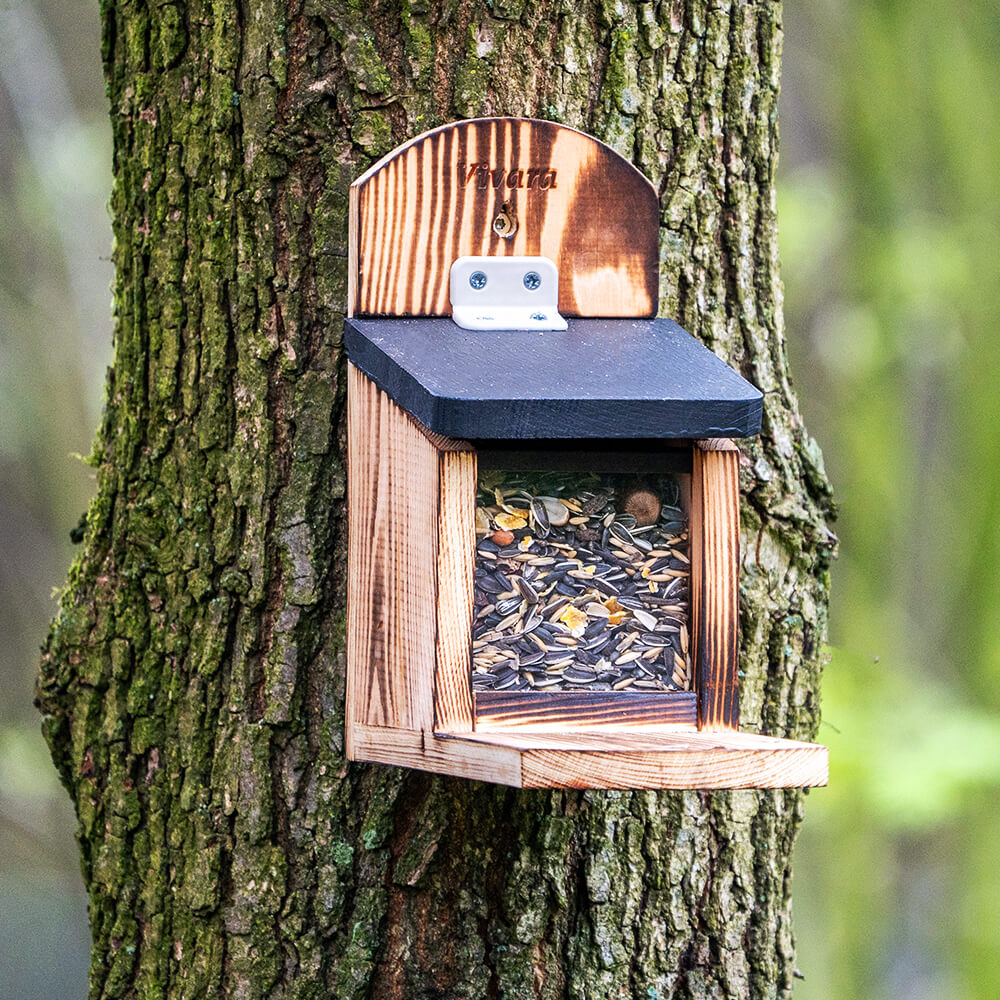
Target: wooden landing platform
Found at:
637, 757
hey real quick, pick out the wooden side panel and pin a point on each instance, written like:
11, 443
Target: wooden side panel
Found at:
572, 710
393, 488
426, 752
456, 564
571, 197
715, 559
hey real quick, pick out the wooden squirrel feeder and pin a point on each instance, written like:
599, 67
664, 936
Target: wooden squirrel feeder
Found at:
611, 660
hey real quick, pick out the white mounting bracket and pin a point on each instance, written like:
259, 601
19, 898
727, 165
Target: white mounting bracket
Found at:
505, 293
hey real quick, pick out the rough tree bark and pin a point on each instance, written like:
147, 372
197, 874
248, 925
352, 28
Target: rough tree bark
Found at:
192, 684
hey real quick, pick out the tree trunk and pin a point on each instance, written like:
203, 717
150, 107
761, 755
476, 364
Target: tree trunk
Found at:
192, 685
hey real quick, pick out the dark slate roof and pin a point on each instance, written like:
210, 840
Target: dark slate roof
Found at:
601, 378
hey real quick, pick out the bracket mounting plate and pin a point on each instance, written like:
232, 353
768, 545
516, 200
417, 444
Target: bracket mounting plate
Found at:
505, 293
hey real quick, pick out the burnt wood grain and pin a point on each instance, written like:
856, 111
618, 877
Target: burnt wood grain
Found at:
604, 758
410, 544
600, 378
583, 708
429, 404
503, 187
715, 558
453, 709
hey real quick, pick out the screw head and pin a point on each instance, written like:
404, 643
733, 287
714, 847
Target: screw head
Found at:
477, 279
505, 224
532, 280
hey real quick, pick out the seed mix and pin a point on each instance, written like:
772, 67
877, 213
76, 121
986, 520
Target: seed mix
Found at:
581, 584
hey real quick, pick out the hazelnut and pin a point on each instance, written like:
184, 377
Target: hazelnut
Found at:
643, 505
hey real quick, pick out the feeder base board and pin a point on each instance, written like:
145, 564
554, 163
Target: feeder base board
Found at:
641, 757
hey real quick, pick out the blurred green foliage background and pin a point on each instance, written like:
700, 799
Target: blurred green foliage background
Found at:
890, 238
889, 209
55, 341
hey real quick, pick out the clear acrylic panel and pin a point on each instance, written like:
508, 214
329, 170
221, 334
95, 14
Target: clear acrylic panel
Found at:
581, 582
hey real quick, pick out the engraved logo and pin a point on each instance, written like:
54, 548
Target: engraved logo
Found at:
485, 176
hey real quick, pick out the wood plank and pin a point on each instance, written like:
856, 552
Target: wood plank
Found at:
716, 444
353, 229
665, 738
715, 559
427, 752
623, 759
693, 769
696, 532
573, 709
574, 199
662, 759
393, 487
456, 564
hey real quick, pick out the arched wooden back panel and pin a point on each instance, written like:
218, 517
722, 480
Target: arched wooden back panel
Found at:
455, 190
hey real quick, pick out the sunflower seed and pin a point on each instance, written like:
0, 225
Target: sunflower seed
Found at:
577, 551
644, 618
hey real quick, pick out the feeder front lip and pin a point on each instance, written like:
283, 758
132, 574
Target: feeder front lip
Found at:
601, 378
